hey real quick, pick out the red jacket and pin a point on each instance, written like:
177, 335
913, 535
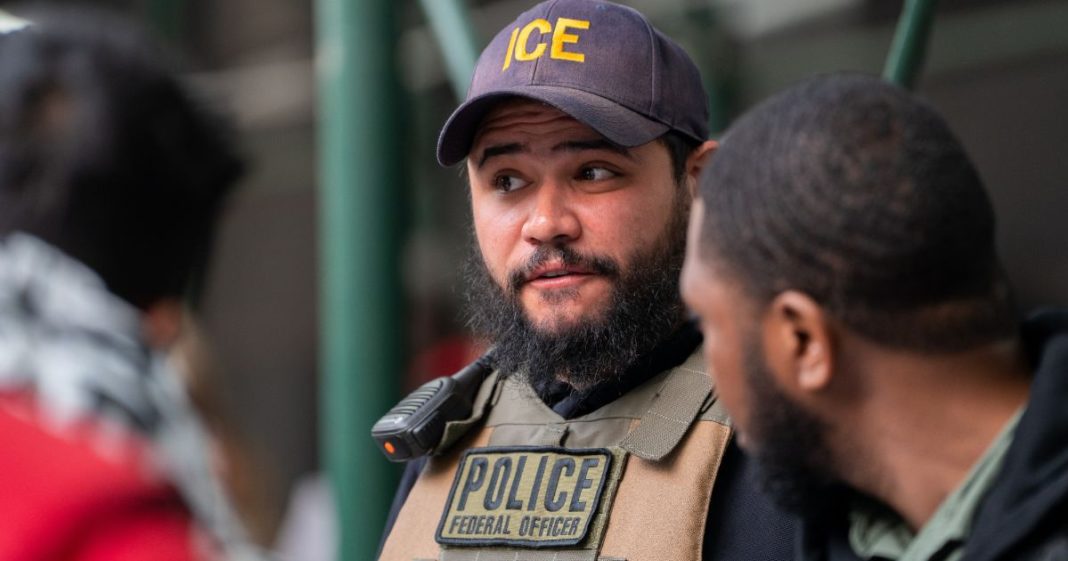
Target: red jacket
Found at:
61, 499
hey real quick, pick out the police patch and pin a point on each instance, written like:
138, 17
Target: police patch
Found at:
525, 496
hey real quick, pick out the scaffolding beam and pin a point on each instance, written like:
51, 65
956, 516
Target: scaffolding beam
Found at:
450, 20
907, 51
361, 213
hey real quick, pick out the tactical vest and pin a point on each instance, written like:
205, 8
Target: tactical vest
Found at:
631, 481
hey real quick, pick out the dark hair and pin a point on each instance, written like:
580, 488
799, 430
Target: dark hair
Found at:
856, 193
106, 155
679, 147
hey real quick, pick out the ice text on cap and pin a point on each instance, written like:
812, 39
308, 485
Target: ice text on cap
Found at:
517, 45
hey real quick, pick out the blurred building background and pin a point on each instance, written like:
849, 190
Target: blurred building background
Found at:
997, 68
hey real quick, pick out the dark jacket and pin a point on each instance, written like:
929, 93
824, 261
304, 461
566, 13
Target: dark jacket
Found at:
742, 523
1024, 516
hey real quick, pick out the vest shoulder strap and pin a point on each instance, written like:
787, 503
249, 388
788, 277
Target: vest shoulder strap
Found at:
678, 402
488, 394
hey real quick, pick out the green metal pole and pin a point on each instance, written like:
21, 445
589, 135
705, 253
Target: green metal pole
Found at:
450, 21
717, 58
907, 51
360, 216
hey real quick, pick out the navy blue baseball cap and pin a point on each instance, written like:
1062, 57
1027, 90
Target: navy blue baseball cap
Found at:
601, 63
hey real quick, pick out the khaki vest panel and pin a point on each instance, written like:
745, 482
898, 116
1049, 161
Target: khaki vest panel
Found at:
660, 508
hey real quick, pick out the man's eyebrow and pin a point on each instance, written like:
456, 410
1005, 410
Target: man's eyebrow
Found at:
595, 144
499, 150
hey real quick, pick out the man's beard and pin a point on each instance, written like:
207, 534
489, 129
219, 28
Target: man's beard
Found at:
788, 442
644, 308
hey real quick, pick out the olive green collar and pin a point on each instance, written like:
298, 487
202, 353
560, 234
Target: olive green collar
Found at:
878, 533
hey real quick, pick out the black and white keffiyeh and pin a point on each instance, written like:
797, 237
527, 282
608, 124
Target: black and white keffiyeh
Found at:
79, 350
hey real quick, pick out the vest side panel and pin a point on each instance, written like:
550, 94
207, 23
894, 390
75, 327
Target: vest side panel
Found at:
662, 507
413, 533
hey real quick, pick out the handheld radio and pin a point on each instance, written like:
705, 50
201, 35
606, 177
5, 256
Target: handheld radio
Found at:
414, 427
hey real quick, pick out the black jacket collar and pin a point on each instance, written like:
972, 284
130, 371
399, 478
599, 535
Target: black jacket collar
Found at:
1029, 499
1032, 488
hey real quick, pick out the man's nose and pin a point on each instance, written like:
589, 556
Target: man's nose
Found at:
552, 218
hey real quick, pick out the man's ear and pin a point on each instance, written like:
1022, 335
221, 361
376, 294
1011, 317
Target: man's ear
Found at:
800, 340
696, 162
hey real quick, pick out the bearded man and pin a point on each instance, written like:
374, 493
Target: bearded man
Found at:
861, 330
598, 435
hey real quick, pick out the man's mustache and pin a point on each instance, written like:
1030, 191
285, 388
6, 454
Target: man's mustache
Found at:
599, 265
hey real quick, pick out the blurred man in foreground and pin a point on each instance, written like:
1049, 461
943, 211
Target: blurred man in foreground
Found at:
112, 177
598, 436
856, 317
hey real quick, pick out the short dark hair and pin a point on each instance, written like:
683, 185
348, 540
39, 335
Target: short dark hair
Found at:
107, 156
679, 147
856, 193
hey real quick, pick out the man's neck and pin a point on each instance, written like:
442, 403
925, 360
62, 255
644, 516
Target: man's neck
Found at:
924, 421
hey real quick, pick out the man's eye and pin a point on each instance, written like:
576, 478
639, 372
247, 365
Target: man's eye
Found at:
509, 183
593, 173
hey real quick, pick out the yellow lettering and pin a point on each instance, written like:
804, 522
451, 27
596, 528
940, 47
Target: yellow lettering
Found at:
511, 46
521, 52
561, 37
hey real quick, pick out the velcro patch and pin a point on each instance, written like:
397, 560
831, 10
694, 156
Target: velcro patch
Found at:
524, 496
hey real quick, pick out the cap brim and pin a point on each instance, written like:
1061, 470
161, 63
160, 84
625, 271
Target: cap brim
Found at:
612, 120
